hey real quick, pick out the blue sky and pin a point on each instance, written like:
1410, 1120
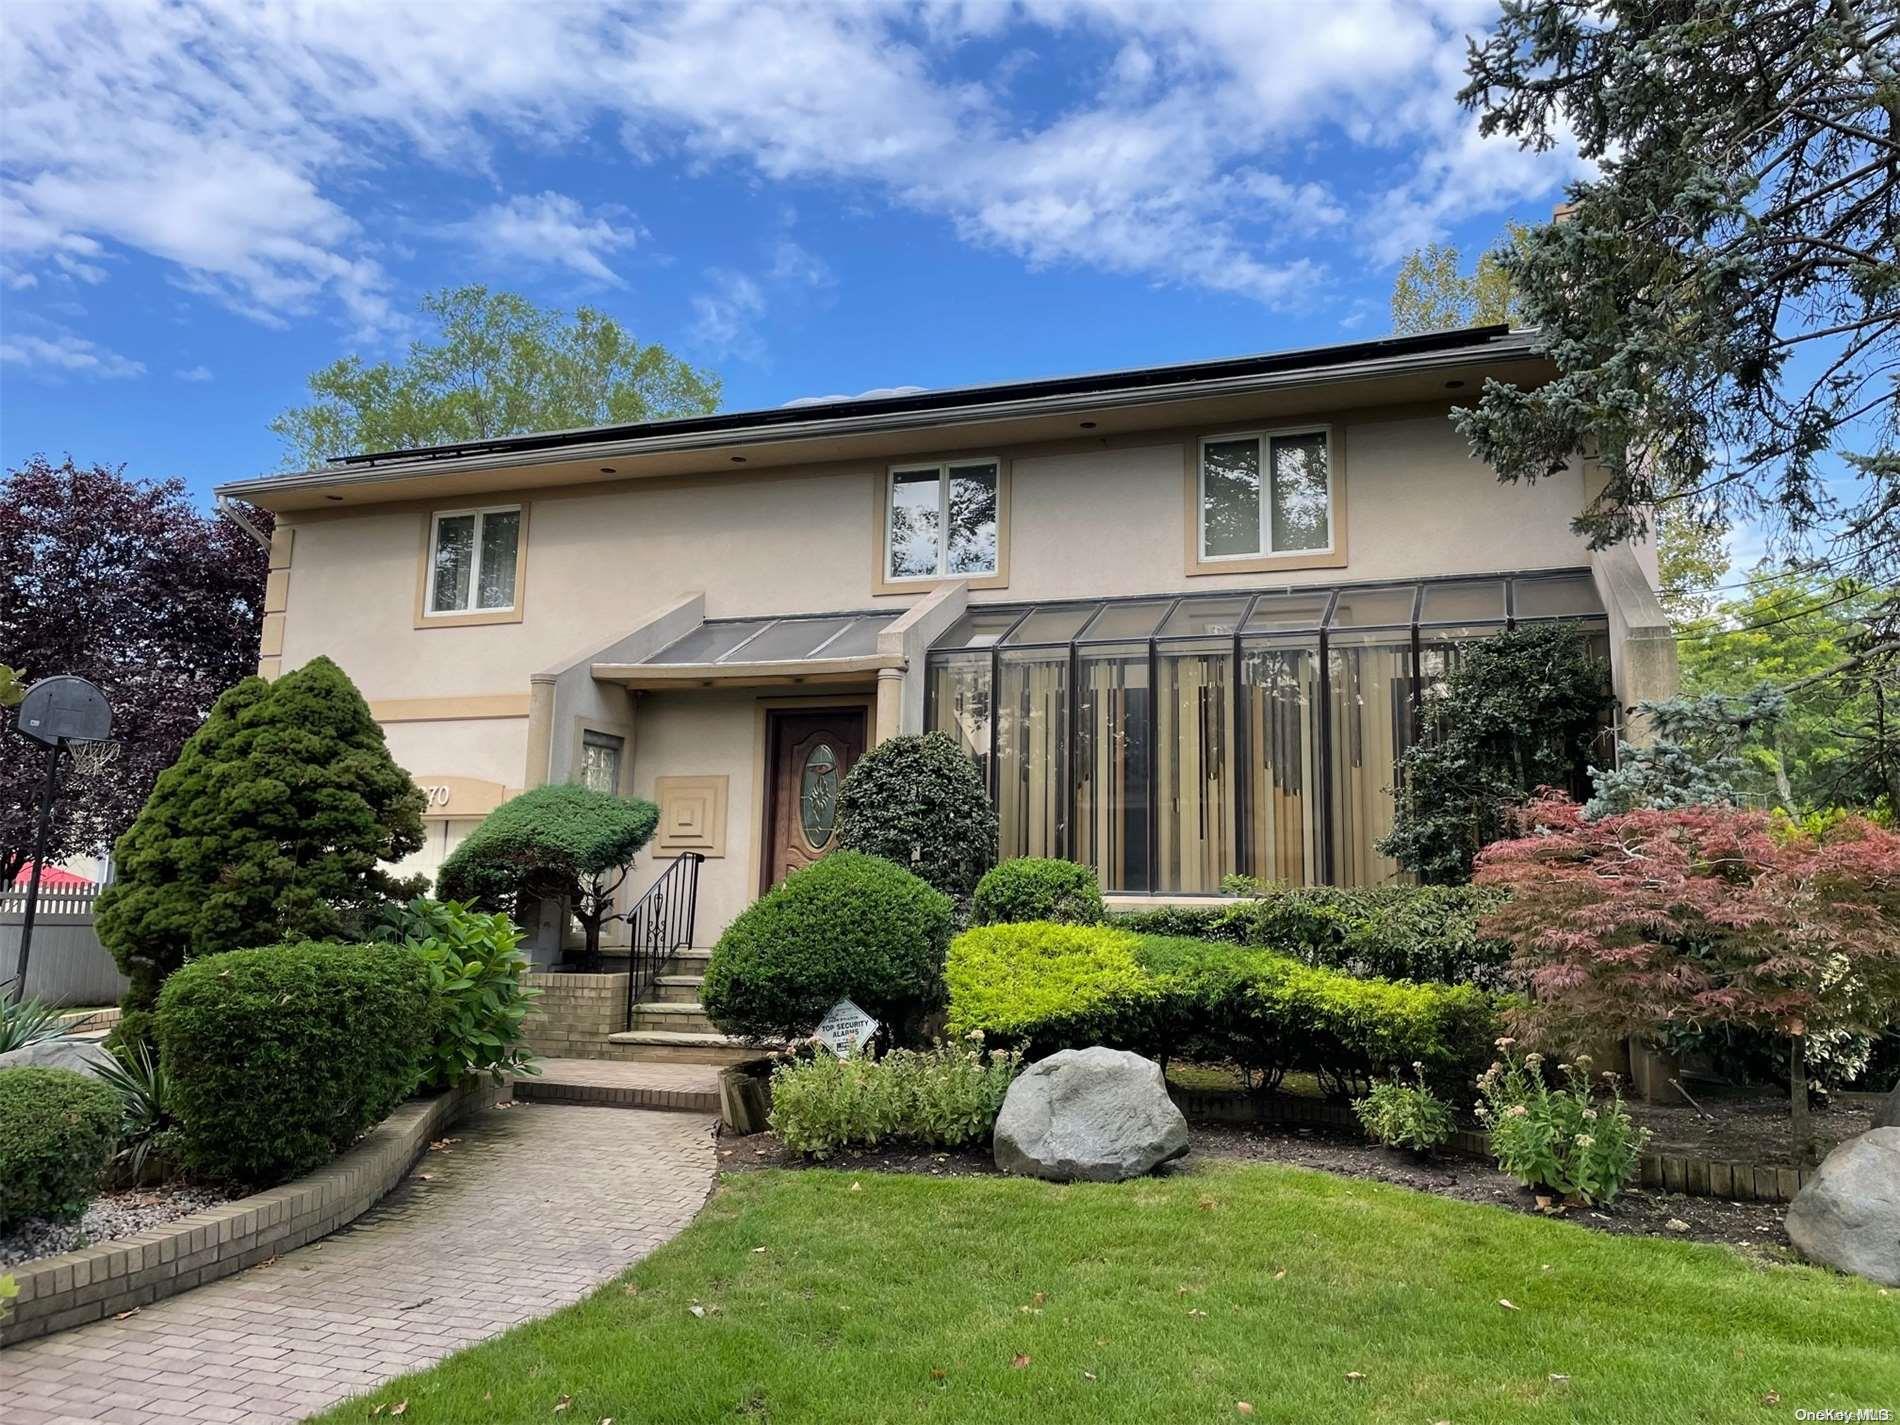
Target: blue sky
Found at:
201, 204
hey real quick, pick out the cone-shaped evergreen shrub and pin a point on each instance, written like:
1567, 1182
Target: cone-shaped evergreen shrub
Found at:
273, 825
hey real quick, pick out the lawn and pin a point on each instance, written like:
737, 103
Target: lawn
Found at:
830, 1297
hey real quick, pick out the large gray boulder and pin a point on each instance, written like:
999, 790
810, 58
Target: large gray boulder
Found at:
1848, 1215
81, 1055
1888, 1114
1098, 1114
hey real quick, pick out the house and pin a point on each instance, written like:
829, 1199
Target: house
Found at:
1180, 616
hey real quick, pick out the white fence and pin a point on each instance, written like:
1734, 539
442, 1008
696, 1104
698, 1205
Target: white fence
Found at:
68, 965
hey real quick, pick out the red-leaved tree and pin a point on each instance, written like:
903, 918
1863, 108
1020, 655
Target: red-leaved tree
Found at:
129, 584
1701, 915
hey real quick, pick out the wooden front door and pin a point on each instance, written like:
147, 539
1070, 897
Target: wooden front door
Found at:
807, 756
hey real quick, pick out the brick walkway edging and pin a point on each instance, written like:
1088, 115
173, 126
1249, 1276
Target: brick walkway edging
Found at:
94, 1282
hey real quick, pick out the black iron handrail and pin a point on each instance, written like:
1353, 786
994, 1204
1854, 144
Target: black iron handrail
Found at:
661, 925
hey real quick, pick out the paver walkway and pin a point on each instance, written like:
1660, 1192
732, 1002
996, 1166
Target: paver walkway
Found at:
529, 1210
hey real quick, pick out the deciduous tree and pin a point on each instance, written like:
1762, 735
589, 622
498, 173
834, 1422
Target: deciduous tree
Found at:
126, 583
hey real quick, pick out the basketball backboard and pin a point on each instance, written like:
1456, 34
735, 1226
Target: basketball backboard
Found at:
64, 709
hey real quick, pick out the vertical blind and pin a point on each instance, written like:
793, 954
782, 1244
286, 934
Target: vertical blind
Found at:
1172, 742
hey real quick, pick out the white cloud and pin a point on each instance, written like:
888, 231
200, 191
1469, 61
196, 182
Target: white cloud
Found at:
66, 354
552, 229
249, 145
870, 395
728, 316
193, 374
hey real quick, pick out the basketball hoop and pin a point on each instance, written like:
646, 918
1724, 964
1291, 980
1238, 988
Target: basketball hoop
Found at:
90, 759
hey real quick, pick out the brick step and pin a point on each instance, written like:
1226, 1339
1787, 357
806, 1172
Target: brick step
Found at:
688, 962
688, 1018
677, 989
681, 1047
619, 1085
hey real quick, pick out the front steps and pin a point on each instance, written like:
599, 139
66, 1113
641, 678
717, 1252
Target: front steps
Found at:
679, 1088
584, 1017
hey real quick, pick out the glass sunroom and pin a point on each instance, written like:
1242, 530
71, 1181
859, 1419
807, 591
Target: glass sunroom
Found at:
1169, 741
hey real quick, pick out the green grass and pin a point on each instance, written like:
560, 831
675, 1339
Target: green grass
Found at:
903, 1298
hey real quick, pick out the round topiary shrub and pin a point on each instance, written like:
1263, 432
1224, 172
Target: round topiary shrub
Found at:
57, 1132
1038, 888
849, 927
280, 1057
920, 802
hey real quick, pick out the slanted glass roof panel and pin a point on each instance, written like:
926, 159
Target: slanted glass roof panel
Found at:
709, 641
1056, 624
1288, 611
1218, 615
1371, 608
1463, 602
1566, 596
860, 639
1120, 621
979, 628
791, 638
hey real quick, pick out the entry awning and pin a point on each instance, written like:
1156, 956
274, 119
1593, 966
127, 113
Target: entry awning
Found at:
739, 652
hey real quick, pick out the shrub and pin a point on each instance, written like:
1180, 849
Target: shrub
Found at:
1403, 1115
1038, 888
942, 1097
145, 1116
280, 1057
1558, 1139
28, 1021
1392, 932
275, 824
918, 801
1050, 987
553, 843
848, 927
479, 1002
57, 1129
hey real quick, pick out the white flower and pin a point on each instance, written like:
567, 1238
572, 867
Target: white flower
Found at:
1506, 1043
1519, 1111
1584, 1140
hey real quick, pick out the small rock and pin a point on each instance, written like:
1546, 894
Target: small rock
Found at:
1676, 1224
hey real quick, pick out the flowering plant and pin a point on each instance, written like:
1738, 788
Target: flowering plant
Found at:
1403, 1115
1562, 1139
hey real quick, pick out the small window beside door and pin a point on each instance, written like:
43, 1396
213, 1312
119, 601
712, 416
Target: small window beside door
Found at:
600, 762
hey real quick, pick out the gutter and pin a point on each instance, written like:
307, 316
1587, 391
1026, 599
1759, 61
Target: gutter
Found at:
362, 471
230, 509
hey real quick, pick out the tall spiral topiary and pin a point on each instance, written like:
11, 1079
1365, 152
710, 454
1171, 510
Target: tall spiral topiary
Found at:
276, 823
920, 802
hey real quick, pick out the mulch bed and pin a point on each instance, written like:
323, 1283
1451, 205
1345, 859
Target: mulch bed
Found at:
1754, 1228
1738, 1126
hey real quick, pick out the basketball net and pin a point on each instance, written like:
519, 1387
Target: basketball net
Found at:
90, 759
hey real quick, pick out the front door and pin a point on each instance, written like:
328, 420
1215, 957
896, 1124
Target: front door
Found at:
807, 755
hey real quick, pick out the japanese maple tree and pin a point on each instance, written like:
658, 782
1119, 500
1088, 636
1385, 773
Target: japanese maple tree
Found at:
1626, 923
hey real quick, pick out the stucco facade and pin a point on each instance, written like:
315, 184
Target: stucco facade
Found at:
612, 567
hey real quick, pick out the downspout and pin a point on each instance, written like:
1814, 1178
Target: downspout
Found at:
231, 510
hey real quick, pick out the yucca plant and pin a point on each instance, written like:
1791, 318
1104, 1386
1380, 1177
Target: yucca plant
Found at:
28, 1021
143, 1090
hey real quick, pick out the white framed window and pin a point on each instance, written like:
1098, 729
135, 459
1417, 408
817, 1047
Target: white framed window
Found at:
1265, 493
473, 558
940, 520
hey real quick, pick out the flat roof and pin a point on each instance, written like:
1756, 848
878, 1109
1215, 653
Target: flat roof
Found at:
781, 431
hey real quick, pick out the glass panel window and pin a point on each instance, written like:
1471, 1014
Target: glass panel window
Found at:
1370, 608
709, 642
1230, 497
979, 628
1302, 493
473, 556
600, 762
1194, 773
1371, 692
1565, 596
1113, 721
859, 639
1462, 602
1266, 494
959, 698
1119, 621
790, 638
1032, 756
1052, 625
818, 796
943, 521
1201, 617
1279, 739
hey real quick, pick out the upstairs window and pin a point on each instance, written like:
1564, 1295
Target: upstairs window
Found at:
1266, 493
473, 560
941, 520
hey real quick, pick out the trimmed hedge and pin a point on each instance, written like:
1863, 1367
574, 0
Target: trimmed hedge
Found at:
57, 1132
1048, 987
1038, 888
850, 926
1393, 932
281, 1057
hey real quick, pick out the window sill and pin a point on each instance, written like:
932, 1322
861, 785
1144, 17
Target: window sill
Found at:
1267, 564
883, 585
471, 619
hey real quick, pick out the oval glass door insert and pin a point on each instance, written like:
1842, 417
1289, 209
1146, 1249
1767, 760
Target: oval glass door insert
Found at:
818, 795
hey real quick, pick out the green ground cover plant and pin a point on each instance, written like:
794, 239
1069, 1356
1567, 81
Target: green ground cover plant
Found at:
941, 1097
829, 1298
